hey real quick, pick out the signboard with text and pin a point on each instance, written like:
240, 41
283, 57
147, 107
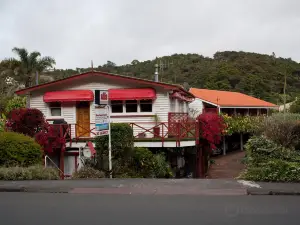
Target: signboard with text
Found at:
101, 120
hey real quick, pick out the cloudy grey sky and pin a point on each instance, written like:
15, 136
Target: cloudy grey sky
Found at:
75, 32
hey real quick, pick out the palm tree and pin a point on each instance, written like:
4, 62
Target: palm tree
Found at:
28, 65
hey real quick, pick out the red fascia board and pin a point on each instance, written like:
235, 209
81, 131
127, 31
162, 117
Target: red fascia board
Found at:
113, 76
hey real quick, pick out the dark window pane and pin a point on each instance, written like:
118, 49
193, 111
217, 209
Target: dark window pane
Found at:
146, 105
55, 111
131, 106
116, 106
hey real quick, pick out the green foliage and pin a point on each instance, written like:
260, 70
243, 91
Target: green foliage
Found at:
295, 107
15, 103
121, 145
283, 129
255, 74
2, 122
36, 172
242, 124
122, 141
149, 165
274, 171
128, 161
88, 172
268, 161
18, 149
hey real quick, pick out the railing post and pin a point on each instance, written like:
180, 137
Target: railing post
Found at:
162, 135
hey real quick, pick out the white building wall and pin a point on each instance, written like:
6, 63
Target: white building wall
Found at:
195, 108
161, 105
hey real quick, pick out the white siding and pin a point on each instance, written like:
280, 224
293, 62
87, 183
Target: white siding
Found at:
161, 105
36, 101
195, 107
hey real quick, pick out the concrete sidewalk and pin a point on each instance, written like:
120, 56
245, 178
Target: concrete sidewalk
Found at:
153, 187
129, 186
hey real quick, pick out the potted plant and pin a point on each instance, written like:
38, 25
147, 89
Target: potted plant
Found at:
156, 129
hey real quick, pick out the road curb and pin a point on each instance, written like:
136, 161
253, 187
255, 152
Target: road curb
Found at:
33, 190
272, 192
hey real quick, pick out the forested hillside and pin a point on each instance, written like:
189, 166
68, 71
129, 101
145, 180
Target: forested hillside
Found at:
254, 74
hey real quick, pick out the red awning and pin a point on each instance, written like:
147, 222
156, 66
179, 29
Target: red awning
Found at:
131, 94
69, 96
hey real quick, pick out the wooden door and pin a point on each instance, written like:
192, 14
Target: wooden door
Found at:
83, 119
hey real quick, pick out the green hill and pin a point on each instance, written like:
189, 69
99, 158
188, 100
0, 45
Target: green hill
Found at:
255, 74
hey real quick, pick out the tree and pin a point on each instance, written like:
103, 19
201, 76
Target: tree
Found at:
24, 68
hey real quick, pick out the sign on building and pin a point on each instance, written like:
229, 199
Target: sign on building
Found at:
101, 120
101, 97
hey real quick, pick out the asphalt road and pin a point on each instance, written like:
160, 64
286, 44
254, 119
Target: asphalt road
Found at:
79, 209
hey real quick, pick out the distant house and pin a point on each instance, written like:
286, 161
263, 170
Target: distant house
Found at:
287, 106
231, 103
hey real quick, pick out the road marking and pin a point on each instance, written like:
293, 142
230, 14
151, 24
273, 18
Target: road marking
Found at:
249, 183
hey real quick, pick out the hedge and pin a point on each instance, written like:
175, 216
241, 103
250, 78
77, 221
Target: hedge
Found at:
269, 161
88, 172
36, 172
18, 149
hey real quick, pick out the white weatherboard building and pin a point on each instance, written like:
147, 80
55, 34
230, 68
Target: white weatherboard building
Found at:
156, 111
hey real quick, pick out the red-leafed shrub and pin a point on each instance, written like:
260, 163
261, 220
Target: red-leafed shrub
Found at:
31, 122
49, 138
26, 121
212, 127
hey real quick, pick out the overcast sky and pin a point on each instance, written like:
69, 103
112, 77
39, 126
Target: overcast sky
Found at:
75, 32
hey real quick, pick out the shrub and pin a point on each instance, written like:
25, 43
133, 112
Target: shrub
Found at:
18, 149
261, 149
36, 172
161, 167
295, 107
2, 122
269, 161
15, 103
284, 130
149, 165
88, 172
26, 121
242, 124
212, 127
122, 142
275, 171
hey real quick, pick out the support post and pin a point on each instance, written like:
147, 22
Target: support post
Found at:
62, 164
109, 143
242, 142
224, 145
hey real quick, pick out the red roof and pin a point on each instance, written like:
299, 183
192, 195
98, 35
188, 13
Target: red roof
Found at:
107, 75
69, 96
131, 94
229, 99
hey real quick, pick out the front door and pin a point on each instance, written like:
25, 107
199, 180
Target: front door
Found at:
83, 119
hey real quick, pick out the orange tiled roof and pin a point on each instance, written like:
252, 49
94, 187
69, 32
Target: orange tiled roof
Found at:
228, 98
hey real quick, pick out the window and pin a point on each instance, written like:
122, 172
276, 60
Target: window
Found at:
146, 105
116, 106
131, 106
55, 108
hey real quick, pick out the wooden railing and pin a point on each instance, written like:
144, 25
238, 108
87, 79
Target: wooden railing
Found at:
161, 131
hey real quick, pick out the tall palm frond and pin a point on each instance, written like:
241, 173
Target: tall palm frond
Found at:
22, 53
33, 60
45, 63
